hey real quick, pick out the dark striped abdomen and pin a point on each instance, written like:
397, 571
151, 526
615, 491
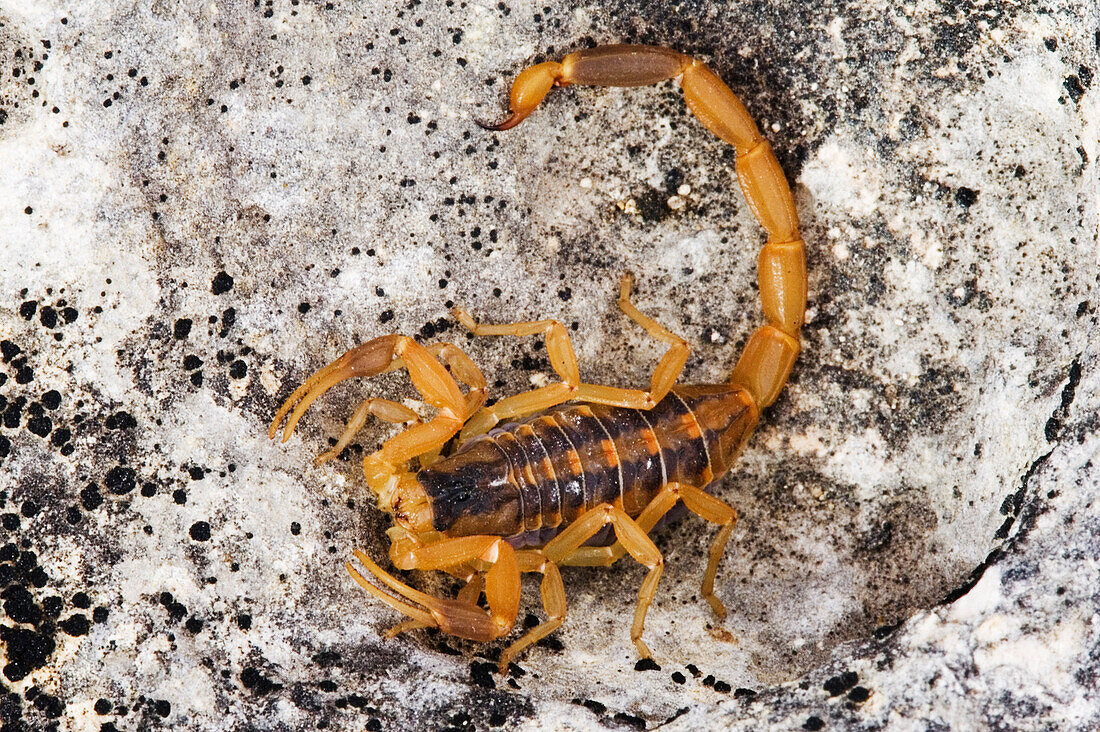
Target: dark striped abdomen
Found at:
530, 479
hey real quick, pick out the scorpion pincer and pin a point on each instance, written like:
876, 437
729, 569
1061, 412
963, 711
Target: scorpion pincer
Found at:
536, 478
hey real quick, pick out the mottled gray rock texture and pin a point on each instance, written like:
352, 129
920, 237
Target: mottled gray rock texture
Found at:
204, 202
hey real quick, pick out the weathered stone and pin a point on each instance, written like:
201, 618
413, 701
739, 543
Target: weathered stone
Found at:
918, 511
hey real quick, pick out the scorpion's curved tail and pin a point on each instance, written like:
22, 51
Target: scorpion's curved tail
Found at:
770, 353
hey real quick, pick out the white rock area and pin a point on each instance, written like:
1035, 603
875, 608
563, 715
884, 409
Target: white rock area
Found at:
203, 203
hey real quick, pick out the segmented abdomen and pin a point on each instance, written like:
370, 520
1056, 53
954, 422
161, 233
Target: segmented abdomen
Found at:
529, 480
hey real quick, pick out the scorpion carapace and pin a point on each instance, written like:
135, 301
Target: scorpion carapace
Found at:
581, 483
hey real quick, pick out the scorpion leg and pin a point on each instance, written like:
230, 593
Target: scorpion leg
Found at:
384, 409
664, 376
465, 370
553, 601
459, 617
562, 359
564, 362
697, 501
636, 542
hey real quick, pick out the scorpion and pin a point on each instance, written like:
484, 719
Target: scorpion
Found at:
535, 480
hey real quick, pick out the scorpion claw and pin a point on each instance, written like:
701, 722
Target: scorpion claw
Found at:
455, 617
413, 611
368, 359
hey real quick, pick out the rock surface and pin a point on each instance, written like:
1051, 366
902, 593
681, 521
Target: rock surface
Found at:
202, 205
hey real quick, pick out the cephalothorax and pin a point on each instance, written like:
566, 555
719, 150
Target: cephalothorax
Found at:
537, 491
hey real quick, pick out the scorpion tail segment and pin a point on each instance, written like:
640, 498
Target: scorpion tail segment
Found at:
603, 66
765, 364
718, 108
528, 91
367, 359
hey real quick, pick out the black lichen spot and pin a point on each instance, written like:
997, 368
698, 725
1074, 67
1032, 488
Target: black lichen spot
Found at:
221, 284
257, 682
10, 521
76, 624
1075, 88
244, 621
594, 706
646, 664
121, 421
192, 362
20, 606
26, 651
238, 369
722, 687
176, 610
304, 307
91, 498
859, 695
41, 426
839, 684
102, 707
49, 705
194, 625
629, 720
120, 480
181, 329
200, 531
965, 197
482, 674
52, 606
48, 316
883, 631
813, 724
9, 350
51, 399
678, 677
27, 309
229, 317
162, 707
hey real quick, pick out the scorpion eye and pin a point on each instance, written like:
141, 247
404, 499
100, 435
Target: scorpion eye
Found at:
461, 493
